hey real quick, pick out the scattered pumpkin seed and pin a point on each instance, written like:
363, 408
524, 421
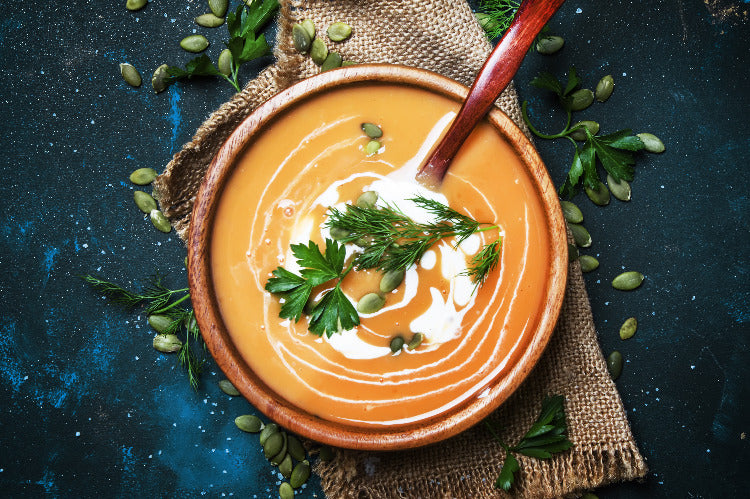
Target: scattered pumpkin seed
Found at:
348, 63
604, 88
372, 147
225, 62
194, 43
301, 39
486, 21
338, 233
144, 201
267, 431
300, 474
167, 343
218, 7
227, 387
185, 262
600, 195
372, 130
581, 99
249, 423
309, 27
367, 199
209, 20
339, 31
415, 341
285, 467
580, 235
159, 78
614, 364
131, 75
572, 252
571, 212
588, 263
134, 5
143, 176
628, 328
286, 491
397, 343
370, 303
619, 189
160, 323
318, 51
627, 281
391, 280
326, 453
549, 44
160, 221
273, 444
295, 448
580, 134
333, 61
651, 142
279, 456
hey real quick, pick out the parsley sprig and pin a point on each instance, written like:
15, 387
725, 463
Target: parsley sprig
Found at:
245, 43
546, 436
334, 311
614, 151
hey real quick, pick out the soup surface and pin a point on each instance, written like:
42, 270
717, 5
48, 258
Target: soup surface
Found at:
313, 158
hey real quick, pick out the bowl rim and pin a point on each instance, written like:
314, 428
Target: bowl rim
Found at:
272, 404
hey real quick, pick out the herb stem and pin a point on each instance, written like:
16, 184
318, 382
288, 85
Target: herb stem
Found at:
539, 134
496, 436
174, 303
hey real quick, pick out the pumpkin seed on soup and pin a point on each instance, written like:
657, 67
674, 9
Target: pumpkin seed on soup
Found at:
372, 130
397, 343
131, 75
628, 328
370, 303
339, 31
415, 341
367, 199
391, 280
372, 147
338, 233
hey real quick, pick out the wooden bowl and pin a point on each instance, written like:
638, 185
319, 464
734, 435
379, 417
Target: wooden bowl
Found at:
273, 404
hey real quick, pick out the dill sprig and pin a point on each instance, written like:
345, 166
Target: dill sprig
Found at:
500, 14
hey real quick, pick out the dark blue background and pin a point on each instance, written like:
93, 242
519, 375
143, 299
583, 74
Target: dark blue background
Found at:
89, 408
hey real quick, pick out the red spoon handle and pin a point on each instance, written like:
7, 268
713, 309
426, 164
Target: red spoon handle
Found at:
492, 79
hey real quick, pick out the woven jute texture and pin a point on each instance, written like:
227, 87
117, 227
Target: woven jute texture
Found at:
442, 36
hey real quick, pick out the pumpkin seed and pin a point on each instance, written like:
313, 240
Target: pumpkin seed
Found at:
273, 444
249, 423
651, 142
348, 63
218, 7
131, 75
371, 130
160, 221
391, 280
300, 474
294, 448
619, 189
571, 212
415, 341
367, 199
227, 387
549, 44
580, 134
572, 252
397, 343
267, 431
581, 99
279, 456
338, 233
372, 147
627, 281
144, 201
194, 43
332, 61
301, 39
225, 62
338, 32
286, 491
370, 303
486, 21
159, 78
209, 20
134, 5
285, 467
309, 27
160, 323
326, 453
143, 176
604, 88
628, 328
600, 195
614, 364
580, 235
318, 51
167, 343
588, 263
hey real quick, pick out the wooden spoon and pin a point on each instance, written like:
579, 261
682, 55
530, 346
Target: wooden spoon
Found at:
492, 79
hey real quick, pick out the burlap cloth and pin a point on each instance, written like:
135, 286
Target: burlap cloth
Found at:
441, 35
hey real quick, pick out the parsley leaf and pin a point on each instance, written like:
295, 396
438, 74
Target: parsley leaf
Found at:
333, 313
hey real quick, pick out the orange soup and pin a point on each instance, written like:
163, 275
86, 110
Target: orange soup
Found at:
279, 194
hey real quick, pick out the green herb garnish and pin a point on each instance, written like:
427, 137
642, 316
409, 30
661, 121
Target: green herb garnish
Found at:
245, 43
546, 436
500, 14
334, 311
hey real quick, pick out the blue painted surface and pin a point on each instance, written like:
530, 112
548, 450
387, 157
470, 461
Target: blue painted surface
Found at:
88, 408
